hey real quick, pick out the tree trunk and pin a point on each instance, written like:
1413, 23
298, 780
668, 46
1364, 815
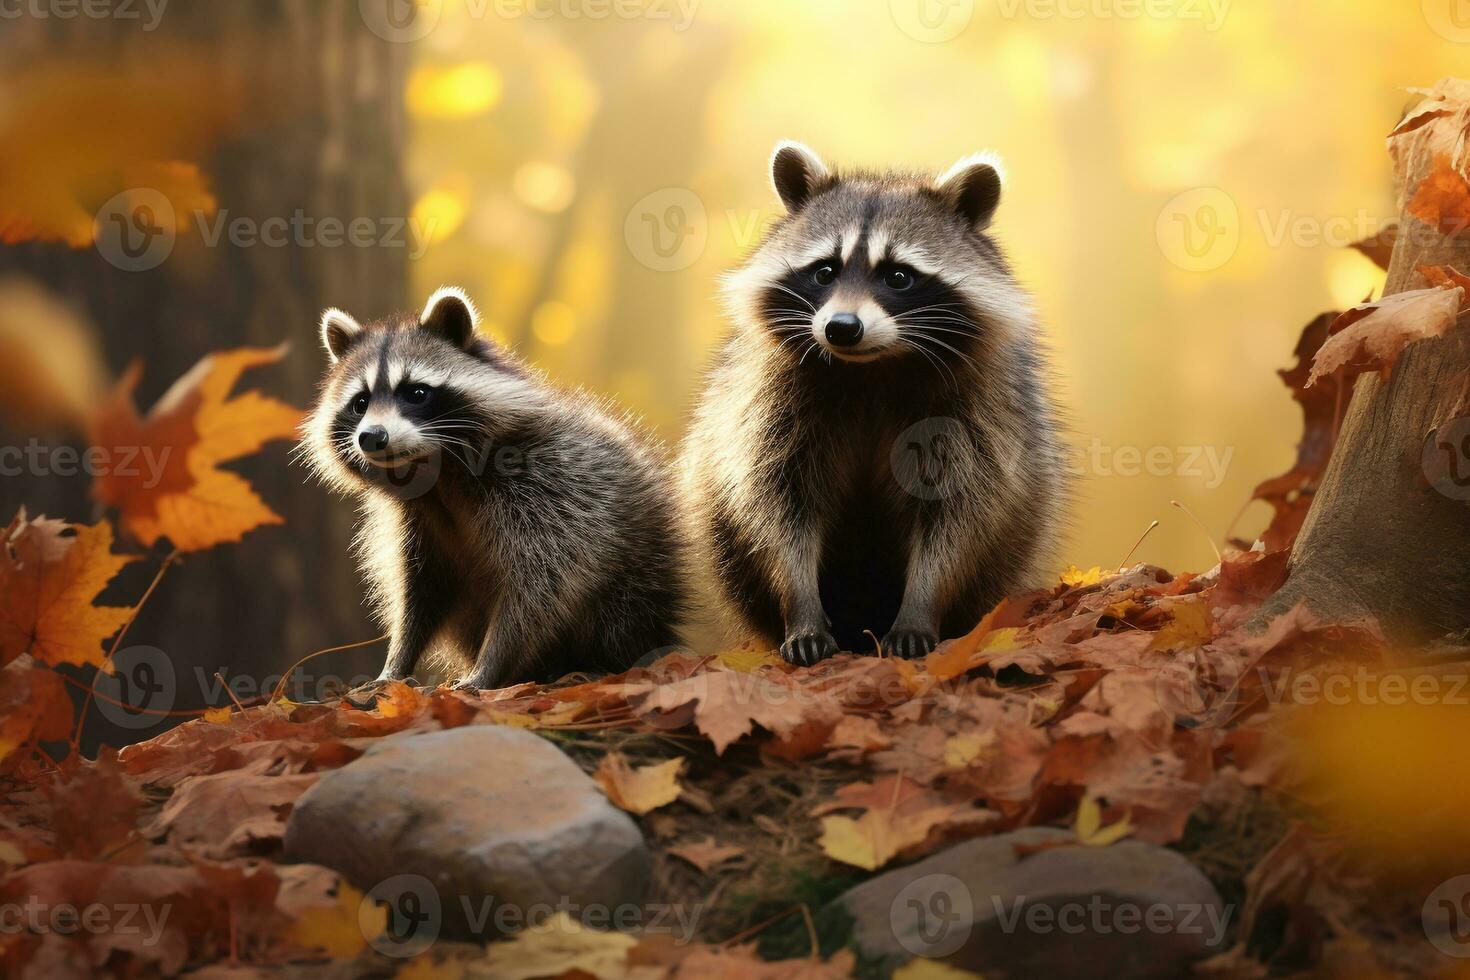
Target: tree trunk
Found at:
1388, 533
324, 139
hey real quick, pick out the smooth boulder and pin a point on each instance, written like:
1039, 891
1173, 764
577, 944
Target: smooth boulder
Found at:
473, 832
1033, 902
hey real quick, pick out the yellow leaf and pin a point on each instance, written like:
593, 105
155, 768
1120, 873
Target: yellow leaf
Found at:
1089, 817
922, 969
10, 855
1001, 639
1089, 828
844, 839
217, 716
746, 661
1189, 628
963, 749
427, 967
557, 947
340, 930
639, 790
1075, 578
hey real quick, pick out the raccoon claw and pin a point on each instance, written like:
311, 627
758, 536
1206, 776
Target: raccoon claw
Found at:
806, 649
909, 644
364, 697
473, 683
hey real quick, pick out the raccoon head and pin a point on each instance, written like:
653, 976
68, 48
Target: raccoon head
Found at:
400, 391
872, 266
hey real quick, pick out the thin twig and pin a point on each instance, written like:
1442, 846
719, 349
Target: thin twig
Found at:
76, 739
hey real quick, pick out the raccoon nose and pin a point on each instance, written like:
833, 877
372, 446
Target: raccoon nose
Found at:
373, 439
844, 329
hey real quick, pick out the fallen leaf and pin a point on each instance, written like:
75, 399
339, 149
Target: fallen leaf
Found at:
340, 930
927, 969
50, 573
1089, 828
1189, 626
225, 814
639, 790
1075, 578
557, 947
706, 854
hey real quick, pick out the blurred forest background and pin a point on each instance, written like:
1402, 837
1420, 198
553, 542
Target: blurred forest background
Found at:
1184, 178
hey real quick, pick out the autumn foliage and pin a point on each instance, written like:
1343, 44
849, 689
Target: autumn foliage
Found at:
1126, 702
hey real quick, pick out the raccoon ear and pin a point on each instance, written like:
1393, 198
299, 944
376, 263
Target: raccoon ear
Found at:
795, 173
339, 331
450, 314
972, 187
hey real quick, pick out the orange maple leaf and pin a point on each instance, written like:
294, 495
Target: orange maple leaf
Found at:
49, 574
171, 486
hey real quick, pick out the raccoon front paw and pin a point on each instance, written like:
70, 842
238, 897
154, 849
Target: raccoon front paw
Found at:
807, 647
909, 643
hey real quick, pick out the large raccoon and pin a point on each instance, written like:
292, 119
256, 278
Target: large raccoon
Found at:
516, 529
876, 448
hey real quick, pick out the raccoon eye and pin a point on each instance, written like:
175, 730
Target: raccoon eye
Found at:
417, 394
898, 279
824, 274
359, 404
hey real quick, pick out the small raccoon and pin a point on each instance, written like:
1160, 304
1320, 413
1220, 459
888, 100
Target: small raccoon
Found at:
508, 527
876, 447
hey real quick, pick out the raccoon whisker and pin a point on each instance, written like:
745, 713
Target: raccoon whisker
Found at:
940, 318
930, 356
946, 307
813, 346
787, 289
939, 328
954, 350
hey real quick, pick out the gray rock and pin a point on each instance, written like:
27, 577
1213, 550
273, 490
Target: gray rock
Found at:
1131, 910
473, 832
